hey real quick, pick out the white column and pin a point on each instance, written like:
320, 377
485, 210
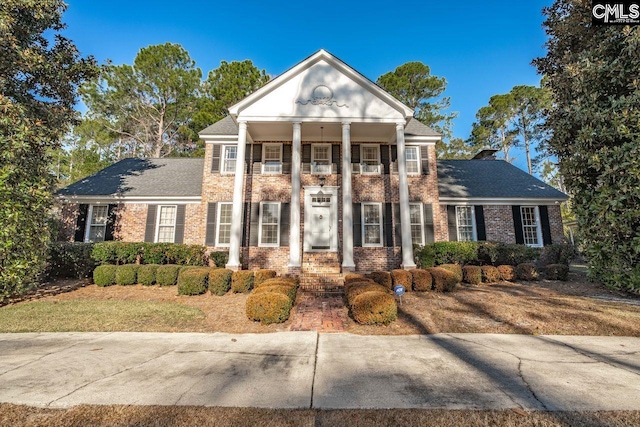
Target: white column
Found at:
294, 229
347, 206
405, 218
238, 188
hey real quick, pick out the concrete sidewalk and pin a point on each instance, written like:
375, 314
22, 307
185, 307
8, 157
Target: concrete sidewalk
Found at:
307, 370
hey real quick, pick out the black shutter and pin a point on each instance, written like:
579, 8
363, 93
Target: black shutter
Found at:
306, 153
178, 237
210, 235
245, 221
81, 223
387, 220
480, 227
453, 225
517, 224
355, 154
429, 234
424, 156
357, 225
150, 227
255, 224
384, 158
257, 155
285, 213
394, 153
335, 156
112, 211
546, 227
286, 159
215, 159
247, 157
396, 224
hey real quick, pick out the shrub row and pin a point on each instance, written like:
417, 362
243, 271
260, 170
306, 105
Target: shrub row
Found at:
443, 278
272, 297
154, 253
370, 302
70, 259
474, 275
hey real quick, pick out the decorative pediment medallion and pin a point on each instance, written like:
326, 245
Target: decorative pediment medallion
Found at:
322, 95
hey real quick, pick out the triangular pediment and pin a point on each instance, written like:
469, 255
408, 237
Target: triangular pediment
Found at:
321, 88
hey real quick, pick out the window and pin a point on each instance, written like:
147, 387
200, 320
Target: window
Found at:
415, 213
370, 159
272, 158
166, 230
229, 157
97, 225
224, 224
413, 160
371, 224
269, 224
321, 158
466, 224
531, 225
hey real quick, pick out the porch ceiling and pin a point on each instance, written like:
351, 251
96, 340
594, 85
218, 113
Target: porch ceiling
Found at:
283, 131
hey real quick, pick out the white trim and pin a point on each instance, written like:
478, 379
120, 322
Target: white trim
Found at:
98, 200
498, 201
381, 225
217, 242
309, 191
223, 158
158, 211
536, 212
423, 140
220, 139
262, 163
269, 245
422, 239
418, 159
474, 232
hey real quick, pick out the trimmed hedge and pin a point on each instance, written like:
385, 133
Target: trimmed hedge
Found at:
361, 288
351, 284
474, 253
286, 289
472, 274
557, 253
167, 275
261, 275
127, 274
220, 259
382, 278
443, 280
268, 307
526, 271
219, 281
490, 274
104, 275
150, 253
507, 272
402, 277
353, 277
374, 308
147, 274
70, 259
421, 280
278, 281
193, 281
242, 281
455, 269
424, 256
557, 272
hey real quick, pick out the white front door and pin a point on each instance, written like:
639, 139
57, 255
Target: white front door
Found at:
321, 230
320, 219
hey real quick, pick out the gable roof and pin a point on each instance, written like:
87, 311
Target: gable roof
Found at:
416, 128
172, 177
490, 179
226, 126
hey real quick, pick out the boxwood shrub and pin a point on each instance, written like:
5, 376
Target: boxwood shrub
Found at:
193, 281
167, 275
127, 274
557, 272
421, 280
219, 281
358, 288
219, 258
242, 281
455, 269
402, 277
507, 272
147, 274
443, 280
104, 275
382, 278
261, 275
353, 277
268, 307
526, 271
284, 288
490, 274
374, 308
472, 274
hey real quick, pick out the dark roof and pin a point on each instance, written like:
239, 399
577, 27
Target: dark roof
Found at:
226, 126
490, 179
143, 177
417, 128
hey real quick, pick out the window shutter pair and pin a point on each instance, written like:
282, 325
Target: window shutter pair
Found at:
150, 226
424, 159
286, 158
254, 224
112, 213
481, 232
82, 220
384, 158
544, 223
216, 158
212, 224
355, 154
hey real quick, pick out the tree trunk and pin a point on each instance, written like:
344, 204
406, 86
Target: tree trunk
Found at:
158, 152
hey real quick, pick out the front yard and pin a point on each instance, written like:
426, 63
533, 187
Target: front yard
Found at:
576, 307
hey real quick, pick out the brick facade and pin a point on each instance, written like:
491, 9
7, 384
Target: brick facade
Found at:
498, 223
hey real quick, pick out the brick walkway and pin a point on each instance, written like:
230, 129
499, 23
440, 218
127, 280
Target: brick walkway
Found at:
322, 314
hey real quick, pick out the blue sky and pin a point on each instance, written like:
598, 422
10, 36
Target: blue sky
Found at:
482, 48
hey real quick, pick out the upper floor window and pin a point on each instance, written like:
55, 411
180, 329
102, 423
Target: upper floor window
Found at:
321, 158
166, 230
531, 225
370, 158
272, 158
466, 224
412, 155
229, 158
97, 226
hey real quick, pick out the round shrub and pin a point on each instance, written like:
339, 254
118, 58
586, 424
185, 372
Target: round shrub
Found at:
356, 290
261, 275
242, 281
526, 271
277, 281
147, 274
472, 274
374, 308
219, 281
455, 269
443, 280
421, 280
268, 307
382, 278
353, 277
557, 272
193, 281
104, 275
490, 274
127, 274
167, 275
401, 277
351, 284
507, 272
285, 289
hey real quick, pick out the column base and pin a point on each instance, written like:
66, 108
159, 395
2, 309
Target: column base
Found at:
408, 266
233, 267
348, 268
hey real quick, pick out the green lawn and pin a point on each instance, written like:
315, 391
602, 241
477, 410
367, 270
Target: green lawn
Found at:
100, 316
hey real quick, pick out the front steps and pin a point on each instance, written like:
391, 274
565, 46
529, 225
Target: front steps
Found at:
321, 274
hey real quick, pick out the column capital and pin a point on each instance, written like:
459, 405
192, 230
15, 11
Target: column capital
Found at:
399, 125
242, 123
296, 124
346, 123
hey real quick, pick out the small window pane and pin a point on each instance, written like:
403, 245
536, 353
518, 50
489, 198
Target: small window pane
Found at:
415, 214
372, 224
270, 223
224, 227
166, 224
464, 218
230, 156
99, 215
411, 154
530, 226
321, 154
96, 233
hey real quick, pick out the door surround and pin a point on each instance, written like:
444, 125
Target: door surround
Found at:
309, 192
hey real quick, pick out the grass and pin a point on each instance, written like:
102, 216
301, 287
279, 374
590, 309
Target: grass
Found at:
99, 316
121, 416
